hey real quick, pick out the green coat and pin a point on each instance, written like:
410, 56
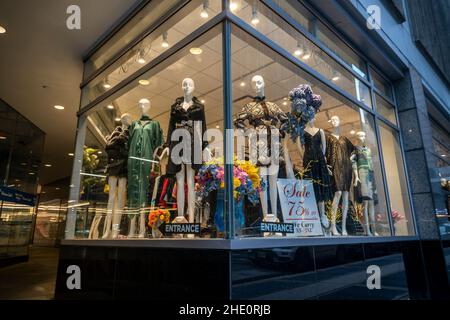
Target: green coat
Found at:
145, 136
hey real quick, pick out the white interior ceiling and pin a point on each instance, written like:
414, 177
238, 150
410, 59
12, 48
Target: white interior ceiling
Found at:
41, 66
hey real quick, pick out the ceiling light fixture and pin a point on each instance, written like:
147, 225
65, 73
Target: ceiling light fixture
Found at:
106, 85
48, 165
2, 138
204, 14
141, 55
217, 127
352, 132
242, 84
71, 154
144, 82
31, 173
284, 103
335, 76
202, 101
110, 107
196, 51
255, 18
165, 42
117, 119
443, 155
233, 5
99, 152
299, 50
58, 107
307, 54
2, 29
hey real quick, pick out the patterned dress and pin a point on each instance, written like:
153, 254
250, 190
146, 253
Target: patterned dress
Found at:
266, 118
339, 151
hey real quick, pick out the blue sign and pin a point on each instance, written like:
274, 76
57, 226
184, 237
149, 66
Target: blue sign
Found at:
16, 196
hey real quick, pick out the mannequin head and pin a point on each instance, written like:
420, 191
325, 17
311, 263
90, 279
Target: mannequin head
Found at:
188, 87
361, 135
125, 119
145, 106
335, 121
258, 85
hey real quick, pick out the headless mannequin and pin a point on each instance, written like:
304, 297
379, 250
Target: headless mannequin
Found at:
312, 130
369, 205
187, 172
145, 107
335, 122
267, 173
117, 194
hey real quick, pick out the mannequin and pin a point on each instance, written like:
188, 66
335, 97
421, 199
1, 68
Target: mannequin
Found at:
145, 137
339, 151
266, 118
117, 150
187, 113
313, 155
363, 173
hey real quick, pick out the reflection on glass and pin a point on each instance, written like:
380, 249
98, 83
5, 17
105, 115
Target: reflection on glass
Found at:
367, 212
172, 31
381, 84
277, 30
303, 16
396, 180
385, 109
130, 186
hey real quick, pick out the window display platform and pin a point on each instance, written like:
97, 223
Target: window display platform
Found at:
209, 270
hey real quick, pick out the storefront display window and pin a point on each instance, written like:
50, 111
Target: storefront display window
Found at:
172, 31
396, 180
263, 19
154, 155
381, 84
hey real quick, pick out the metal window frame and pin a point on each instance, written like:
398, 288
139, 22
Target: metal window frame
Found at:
229, 20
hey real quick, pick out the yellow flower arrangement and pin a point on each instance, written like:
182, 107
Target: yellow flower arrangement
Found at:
158, 217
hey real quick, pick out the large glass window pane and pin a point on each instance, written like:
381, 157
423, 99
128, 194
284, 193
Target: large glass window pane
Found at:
396, 180
366, 202
303, 16
381, 84
176, 28
150, 188
276, 29
386, 109
138, 24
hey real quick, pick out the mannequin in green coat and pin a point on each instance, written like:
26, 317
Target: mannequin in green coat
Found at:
145, 136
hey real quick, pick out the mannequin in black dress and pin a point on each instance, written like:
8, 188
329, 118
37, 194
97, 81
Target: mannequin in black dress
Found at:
313, 153
339, 152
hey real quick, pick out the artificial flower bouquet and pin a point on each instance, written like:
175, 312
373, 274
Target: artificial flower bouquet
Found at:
156, 218
246, 181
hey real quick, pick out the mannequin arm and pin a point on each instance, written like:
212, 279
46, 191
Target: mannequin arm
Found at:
355, 170
207, 155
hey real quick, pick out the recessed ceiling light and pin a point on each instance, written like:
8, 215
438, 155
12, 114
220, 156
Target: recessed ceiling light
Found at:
117, 119
2, 29
352, 132
165, 42
233, 5
217, 127
58, 107
284, 103
141, 61
144, 82
71, 154
196, 51
23, 164
242, 84
48, 165
110, 106
2, 138
443, 155
31, 173
99, 152
106, 85
202, 101
57, 188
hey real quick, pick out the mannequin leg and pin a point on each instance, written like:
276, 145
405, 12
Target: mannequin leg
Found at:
344, 212
336, 199
117, 217
180, 191
190, 175
366, 218
323, 217
263, 198
372, 217
142, 223
110, 209
132, 228
289, 167
93, 233
274, 193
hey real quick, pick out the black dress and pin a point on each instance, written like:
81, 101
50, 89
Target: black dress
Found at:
117, 151
192, 120
339, 151
316, 166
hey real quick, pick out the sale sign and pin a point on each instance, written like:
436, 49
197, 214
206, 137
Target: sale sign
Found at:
299, 207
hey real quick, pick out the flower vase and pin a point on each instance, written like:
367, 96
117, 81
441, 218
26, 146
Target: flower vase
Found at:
239, 219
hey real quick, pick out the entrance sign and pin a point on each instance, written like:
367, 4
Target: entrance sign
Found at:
299, 207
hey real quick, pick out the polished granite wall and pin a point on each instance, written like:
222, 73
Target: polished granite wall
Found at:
306, 272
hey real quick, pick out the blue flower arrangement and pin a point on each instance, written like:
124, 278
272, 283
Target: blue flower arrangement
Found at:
304, 106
